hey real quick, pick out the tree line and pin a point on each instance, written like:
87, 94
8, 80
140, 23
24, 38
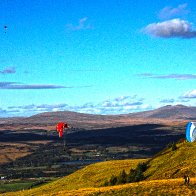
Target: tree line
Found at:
134, 175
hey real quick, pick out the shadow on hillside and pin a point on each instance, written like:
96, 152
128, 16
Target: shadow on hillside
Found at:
139, 140
148, 135
21, 136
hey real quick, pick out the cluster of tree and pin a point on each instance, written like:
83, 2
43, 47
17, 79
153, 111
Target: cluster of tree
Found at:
135, 175
172, 146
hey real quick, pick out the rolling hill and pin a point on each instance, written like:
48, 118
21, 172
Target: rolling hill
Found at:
48, 120
169, 112
163, 176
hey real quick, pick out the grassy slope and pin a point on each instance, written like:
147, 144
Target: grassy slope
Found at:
154, 187
168, 164
174, 164
91, 176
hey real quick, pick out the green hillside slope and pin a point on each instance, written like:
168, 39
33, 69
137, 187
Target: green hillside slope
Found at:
91, 176
151, 188
173, 164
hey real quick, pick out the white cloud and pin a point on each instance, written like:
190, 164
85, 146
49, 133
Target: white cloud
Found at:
167, 101
82, 25
8, 70
2, 111
20, 86
169, 76
119, 105
169, 12
190, 94
171, 28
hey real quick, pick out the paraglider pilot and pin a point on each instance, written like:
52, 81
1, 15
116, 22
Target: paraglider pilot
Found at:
186, 179
5, 28
60, 128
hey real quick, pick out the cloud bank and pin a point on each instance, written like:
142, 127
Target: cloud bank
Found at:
169, 76
118, 105
175, 28
167, 101
20, 86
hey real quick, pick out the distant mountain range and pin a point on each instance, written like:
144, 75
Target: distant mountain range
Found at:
81, 120
169, 112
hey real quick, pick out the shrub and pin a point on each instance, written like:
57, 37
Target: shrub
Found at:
174, 147
106, 183
142, 167
122, 178
137, 174
113, 180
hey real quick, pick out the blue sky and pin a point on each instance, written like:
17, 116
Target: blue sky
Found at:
96, 56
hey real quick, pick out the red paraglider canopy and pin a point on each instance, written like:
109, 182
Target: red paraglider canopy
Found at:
60, 128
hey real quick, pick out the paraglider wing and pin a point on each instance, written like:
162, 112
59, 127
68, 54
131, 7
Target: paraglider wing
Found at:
60, 128
191, 132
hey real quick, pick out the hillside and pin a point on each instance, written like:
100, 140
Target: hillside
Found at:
166, 112
91, 176
48, 120
164, 175
173, 164
152, 188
